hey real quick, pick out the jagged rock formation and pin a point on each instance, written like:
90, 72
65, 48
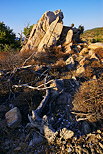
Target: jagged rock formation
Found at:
59, 95
46, 31
49, 31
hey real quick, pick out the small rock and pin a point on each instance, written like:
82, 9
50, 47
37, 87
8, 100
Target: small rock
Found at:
69, 150
37, 139
68, 48
94, 77
80, 70
13, 117
17, 149
70, 63
99, 131
66, 134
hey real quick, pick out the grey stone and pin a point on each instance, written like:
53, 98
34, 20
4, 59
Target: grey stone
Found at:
37, 139
13, 117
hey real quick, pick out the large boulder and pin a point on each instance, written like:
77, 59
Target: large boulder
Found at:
69, 36
49, 32
68, 41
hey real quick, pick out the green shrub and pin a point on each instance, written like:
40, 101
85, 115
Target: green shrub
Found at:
8, 39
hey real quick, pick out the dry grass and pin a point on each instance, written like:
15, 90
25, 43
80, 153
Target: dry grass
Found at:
89, 99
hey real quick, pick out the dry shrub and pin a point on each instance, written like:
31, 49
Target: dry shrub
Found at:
43, 58
59, 63
47, 57
96, 67
58, 52
89, 99
93, 67
96, 63
86, 61
6, 60
99, 52
50, 56
10, 61
88, 72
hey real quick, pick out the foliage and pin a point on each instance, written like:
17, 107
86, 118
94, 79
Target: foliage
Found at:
27, 31
8, 39
93, 35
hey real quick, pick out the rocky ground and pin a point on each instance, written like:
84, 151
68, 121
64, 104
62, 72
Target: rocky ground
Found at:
51, 97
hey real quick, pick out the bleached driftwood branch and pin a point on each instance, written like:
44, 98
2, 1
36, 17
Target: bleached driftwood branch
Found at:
35, 88
46, 104
81, 115
28, 58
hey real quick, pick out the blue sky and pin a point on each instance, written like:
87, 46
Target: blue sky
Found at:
17, 14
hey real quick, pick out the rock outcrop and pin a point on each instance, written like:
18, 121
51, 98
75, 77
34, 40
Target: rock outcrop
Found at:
49, 31
58, 89
52, 35
46, 31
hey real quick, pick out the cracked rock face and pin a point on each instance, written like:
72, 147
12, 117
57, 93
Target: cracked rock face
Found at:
46, 32
52, 34
49, 32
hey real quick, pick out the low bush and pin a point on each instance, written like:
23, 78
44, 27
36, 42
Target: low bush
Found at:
89, 100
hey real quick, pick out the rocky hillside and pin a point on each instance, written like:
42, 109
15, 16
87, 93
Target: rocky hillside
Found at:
51, 93
93, 35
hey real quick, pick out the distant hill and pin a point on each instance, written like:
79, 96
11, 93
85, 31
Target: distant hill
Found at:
93, 35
